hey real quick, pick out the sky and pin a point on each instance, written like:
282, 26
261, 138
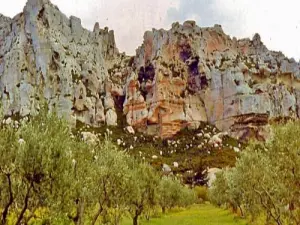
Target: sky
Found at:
277, 21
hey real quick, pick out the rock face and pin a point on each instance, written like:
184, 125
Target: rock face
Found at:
45, 55
178, 78
190, 74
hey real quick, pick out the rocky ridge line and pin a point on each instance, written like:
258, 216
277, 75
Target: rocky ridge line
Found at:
178, 79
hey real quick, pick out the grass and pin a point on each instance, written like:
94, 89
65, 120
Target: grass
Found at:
205, 214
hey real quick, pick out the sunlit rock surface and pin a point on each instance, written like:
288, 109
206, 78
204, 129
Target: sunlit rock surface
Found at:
178, 78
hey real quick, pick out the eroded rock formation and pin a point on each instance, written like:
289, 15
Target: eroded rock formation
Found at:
45, 55
201, 74
178, 78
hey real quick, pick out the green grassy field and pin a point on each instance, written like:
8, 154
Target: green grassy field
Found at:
197, 215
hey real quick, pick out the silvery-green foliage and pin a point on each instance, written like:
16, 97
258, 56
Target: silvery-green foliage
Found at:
266, 178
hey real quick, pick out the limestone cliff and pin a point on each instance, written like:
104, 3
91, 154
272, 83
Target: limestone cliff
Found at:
45, 55
190, 75
178, 78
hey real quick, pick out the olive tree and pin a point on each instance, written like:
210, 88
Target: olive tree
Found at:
8, 171
34, 165
112, 174
265, 178
143, 186
173, 193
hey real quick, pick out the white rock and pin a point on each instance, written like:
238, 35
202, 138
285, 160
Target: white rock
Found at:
21, 141
73, 161
211, 175
131, 147
175, 164
166, 168
119, 142
154, 157
89, 138
161, 153
111, 118
130, 130
236, 149
135, 138
216, 139
200, 135
207, 135
8, 121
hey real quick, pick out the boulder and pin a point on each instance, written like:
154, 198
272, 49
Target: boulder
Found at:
166, 168
211, 175
130, 130
111, 118
89, 138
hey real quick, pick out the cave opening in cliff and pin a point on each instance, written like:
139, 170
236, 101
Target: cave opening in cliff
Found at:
193, 66
145, 74
186, 52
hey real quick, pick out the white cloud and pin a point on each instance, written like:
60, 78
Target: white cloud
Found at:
278, 22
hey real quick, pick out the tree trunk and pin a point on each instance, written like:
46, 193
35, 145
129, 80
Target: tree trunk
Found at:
21, 216
10, 201
96, 216
135, 220
241, 210
278, 221
80, 213
78, 218
163, 209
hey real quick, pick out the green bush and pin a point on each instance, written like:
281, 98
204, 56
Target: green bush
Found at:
201, 193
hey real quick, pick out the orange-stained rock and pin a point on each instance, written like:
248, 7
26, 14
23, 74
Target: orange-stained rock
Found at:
134, 106
190, 75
